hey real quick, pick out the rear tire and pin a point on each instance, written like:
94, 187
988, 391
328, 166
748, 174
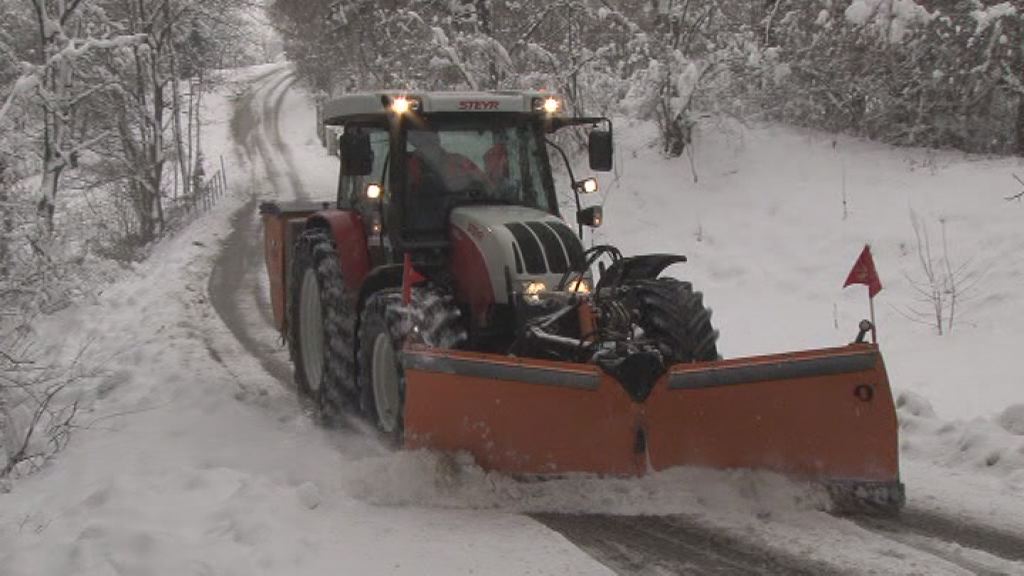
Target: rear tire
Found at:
321, 325
386, 326
672, 314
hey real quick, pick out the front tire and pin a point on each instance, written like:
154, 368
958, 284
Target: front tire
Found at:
674, 315
386, 326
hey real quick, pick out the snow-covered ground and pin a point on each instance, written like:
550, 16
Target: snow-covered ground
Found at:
193, 459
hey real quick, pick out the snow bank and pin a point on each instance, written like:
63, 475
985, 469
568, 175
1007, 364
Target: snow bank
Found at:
1012, 419
994, 446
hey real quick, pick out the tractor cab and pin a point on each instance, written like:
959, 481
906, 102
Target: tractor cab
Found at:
463, 181
408, 161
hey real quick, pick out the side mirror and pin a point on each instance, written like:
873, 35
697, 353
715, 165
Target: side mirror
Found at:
600, 145
356, 154
591, 217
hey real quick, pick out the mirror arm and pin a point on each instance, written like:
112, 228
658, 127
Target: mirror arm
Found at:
572, 178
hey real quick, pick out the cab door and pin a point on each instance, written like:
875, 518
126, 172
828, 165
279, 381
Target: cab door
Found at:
369, 195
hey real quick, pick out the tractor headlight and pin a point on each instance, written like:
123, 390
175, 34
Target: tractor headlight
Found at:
533, 290
580, 286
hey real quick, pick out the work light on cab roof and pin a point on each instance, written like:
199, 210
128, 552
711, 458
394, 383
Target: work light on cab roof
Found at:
403, 104
547, 104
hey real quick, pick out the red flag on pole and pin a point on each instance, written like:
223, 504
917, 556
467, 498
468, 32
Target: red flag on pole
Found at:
864, 272
409, 277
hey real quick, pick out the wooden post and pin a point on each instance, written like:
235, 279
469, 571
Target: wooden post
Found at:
223, 173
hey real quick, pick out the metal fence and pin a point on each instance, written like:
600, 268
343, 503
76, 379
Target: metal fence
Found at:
201, 199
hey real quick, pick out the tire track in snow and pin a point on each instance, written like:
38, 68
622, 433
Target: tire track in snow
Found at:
235, 288
980, 549
263, 118
671, 545
281, 145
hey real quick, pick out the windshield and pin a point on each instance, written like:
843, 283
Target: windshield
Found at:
453, 162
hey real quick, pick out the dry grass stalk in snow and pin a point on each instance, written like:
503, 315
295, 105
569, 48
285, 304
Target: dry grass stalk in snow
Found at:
1020, 194
941, 286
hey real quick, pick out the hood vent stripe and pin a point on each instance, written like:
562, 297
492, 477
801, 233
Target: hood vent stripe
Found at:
519, 259
557, 263
572, 245
533, 257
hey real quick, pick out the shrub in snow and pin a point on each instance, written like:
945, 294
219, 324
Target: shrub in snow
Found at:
942, 286
946, 75
892, 70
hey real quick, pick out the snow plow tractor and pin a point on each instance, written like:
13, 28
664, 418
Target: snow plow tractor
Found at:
442, 296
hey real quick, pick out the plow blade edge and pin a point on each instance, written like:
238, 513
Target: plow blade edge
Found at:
821, 414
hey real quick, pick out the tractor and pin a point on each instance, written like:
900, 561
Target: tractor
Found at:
442, 296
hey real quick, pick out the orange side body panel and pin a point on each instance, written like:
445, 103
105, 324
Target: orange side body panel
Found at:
279, 227
824, 418
274, 253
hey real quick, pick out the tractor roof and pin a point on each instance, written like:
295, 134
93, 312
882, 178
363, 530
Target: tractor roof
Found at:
368, 105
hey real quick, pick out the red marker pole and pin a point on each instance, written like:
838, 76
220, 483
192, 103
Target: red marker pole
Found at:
874, 330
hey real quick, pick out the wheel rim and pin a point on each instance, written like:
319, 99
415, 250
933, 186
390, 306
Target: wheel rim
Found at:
386, 382
311, 330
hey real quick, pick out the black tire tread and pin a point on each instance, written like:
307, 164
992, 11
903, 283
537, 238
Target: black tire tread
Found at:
674, 314
315, 248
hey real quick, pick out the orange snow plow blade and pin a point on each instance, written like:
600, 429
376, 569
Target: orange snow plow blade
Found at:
823, 415
520, 416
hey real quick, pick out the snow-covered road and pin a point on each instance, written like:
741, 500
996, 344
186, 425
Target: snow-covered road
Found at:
195, 456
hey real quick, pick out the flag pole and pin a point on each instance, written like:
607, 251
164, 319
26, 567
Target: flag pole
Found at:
874, 331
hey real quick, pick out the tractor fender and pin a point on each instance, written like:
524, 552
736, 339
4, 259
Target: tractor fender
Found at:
383, 277
349, 236
645, 267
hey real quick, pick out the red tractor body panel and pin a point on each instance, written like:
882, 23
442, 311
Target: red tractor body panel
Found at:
472, 278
